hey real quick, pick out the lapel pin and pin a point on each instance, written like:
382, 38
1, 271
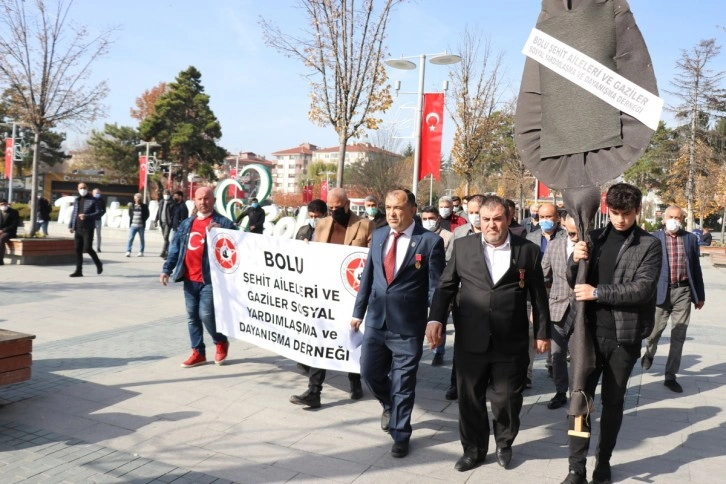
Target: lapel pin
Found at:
419, 258
521, 278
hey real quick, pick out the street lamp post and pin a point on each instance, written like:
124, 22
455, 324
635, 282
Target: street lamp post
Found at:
402, 63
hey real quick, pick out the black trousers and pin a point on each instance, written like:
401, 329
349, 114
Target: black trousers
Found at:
615, 363
83, 239
317, 377
506, 374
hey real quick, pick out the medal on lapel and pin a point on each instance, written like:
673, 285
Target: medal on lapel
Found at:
521, 278
419, 258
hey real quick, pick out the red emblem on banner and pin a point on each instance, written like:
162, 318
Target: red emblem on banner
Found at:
432, 129
225, 253
351, 270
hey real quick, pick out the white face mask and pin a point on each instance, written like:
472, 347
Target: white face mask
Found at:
166, 197
673, 225
4, 208
82, 192
475, 220
445, 212
313, 222
429, 224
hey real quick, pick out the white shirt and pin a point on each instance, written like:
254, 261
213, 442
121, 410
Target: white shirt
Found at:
401, 246
499, 259
570, 247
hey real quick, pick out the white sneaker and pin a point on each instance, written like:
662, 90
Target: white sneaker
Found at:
128, 254
140, 254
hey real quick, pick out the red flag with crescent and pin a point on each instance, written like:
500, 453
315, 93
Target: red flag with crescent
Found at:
142, 172
432, 128
8, 157
543, 191
324, 190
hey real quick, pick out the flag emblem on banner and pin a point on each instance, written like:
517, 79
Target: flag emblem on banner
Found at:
351, 270
225, 253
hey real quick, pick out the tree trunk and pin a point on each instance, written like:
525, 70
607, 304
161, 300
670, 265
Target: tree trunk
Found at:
691, 161
343, 141
34, 178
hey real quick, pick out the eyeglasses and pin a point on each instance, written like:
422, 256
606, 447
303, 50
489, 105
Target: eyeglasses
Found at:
572, 234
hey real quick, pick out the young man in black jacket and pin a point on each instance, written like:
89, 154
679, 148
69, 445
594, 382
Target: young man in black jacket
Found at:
86, 211
620, 296
256, 215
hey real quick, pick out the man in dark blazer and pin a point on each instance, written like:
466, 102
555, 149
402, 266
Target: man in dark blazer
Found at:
489, 278
679, 285
403, 267
82, 225
9, 221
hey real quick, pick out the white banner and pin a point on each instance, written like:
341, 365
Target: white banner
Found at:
287, 296
594, 77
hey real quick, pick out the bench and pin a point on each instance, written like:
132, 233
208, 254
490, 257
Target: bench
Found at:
37, 251
712, 249
15, 356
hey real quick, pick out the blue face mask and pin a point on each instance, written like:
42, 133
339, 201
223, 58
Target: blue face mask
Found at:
546, 225
372, 211
255, 205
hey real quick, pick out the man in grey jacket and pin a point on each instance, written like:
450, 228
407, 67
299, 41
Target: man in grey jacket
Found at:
619, 295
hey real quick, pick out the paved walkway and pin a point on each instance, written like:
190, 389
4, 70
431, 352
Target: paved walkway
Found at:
108, 401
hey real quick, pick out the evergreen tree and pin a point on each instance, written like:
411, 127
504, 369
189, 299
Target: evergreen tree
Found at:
185, 126
115, 150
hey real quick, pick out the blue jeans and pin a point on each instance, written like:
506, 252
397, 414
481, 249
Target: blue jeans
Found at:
43, 227
200, 311
132, 233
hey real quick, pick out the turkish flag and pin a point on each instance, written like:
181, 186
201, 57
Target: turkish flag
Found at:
142, 172
8, 157
603, 202
324, 190
432, 128
543, 191
232, 190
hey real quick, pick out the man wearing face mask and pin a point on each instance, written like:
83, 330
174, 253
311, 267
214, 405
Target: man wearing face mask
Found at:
179, 212
82, 225
449, 220
679, 285
256, 215
163, 217
316, 211
431, 220
9, 221
187, 261
548, 229
374, 212
530, 223
345, 228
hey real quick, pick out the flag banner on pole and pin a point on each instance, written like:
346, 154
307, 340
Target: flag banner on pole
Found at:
432, 128
232, 190
543, 191
287, 296
8, 157
142, 172
324, 190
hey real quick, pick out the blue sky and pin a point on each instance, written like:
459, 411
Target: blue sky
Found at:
261, 97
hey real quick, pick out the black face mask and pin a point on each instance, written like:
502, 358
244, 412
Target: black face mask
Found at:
535, 216
340, 216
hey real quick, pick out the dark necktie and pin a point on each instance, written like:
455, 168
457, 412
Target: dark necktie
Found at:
389, 265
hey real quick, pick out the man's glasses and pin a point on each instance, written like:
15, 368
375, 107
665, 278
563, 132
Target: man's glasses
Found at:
572, 234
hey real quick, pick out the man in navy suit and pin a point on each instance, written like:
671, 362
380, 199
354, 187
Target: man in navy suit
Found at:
679, 285
403, 268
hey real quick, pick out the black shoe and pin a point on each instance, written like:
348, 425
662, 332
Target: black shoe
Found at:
557, 401
468, 462
601, 474
77, 274
356, 390
386, 421
575, 478
451, 393
163, 255
99, 268
504, 456
527, 383
309, 399
399, 449
673, 385
437, 360
646, 361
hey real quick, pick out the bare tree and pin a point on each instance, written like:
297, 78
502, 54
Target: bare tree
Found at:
383, 169
699, 90
344, 49
472, 104
45, 62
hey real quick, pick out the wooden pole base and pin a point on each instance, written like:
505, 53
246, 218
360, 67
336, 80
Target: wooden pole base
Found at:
581, 429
